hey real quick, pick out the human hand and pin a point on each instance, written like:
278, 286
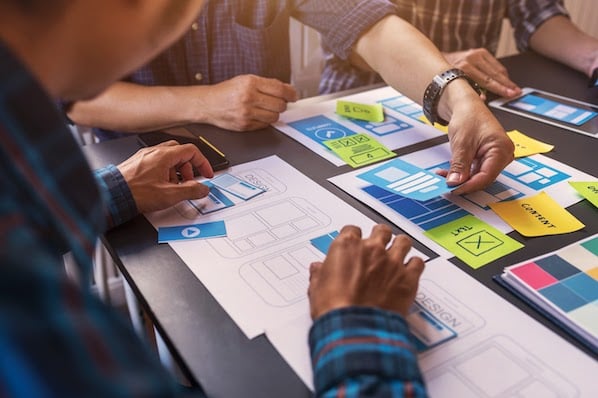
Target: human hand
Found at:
152, 175
360, 272
485, 69
243, 103
480, 147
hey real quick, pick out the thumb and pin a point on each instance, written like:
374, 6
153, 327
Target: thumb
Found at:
190, 189
461, 161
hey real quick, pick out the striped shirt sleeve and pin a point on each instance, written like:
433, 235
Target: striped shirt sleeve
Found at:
361, 351
526, 16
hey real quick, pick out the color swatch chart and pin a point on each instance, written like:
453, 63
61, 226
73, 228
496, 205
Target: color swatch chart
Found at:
564, 283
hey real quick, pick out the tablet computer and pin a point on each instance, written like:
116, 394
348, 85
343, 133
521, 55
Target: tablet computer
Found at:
553, 109
216, 158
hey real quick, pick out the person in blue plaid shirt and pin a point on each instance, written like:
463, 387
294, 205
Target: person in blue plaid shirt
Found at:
468, 31
56, 338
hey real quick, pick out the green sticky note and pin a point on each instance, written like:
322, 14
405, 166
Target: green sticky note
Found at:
473, 241
369, 113
588, 190
359, 149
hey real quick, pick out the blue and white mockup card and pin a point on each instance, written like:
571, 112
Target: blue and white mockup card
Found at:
214, 229
216, 200
405, 179
236, 186
322, 243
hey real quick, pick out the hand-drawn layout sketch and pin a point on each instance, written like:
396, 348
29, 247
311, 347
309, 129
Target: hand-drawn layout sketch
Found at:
498, 351
313, 124
259, 272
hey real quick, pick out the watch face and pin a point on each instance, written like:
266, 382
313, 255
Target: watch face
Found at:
594, 79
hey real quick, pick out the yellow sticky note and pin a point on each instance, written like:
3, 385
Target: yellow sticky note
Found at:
440, 127
359, 149
527, 146
369, 113
588, 190
537, 215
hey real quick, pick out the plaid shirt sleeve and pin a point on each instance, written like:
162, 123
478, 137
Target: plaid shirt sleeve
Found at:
342, 22
362, 351
526, 16
119, 203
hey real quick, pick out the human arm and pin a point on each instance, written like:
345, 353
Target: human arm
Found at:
558, 38
480, 147
485, 69
245, 102
148, 180
359, 297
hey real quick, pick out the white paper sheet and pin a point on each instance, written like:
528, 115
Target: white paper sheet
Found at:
311, 124
523, 177
499, 351
259, 272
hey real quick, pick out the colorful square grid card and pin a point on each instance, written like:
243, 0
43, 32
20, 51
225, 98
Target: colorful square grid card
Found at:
563, 286
402, 178
236, 186
215, 229
473, 241
359, 149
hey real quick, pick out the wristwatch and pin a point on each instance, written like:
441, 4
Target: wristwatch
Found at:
434, 92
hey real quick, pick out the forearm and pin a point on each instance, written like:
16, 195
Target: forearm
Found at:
558, 38
365, 350
129, 107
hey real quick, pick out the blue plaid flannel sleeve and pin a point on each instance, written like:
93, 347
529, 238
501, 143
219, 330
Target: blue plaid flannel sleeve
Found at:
526, 16
360, 351
119, 203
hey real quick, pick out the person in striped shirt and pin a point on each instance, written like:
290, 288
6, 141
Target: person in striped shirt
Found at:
468, 31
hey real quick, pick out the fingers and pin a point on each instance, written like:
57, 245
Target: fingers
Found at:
413, 270
184, 191
489, 167
188, 153
277, 89
460, 169
399, 249
381, 234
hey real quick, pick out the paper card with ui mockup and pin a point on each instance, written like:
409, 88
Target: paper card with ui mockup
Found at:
587, 189
236, 186
473, 241
216, 200
405, 179
207, 230
527, 146
538, 215
369, 113
359, 150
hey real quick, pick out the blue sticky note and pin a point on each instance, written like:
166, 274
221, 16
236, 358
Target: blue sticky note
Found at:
236, 186
407, 180
214, 229
322, 243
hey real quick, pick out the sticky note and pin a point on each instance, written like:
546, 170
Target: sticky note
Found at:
322, 243
236, 186
437, 126
193, 231
527, 146
473, 241
537, 215
359, 149
588, 190
369, 113
405, 179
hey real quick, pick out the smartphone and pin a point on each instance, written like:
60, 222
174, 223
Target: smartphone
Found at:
553, 109
593, 82
216, 158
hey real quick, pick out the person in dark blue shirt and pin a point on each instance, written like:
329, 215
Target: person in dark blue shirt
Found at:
56, 338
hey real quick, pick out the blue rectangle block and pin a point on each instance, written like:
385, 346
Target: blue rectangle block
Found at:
557, 267
322, 243
583, 285
193, 231
563, 297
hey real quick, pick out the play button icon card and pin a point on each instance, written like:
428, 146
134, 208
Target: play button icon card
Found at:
214, 229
